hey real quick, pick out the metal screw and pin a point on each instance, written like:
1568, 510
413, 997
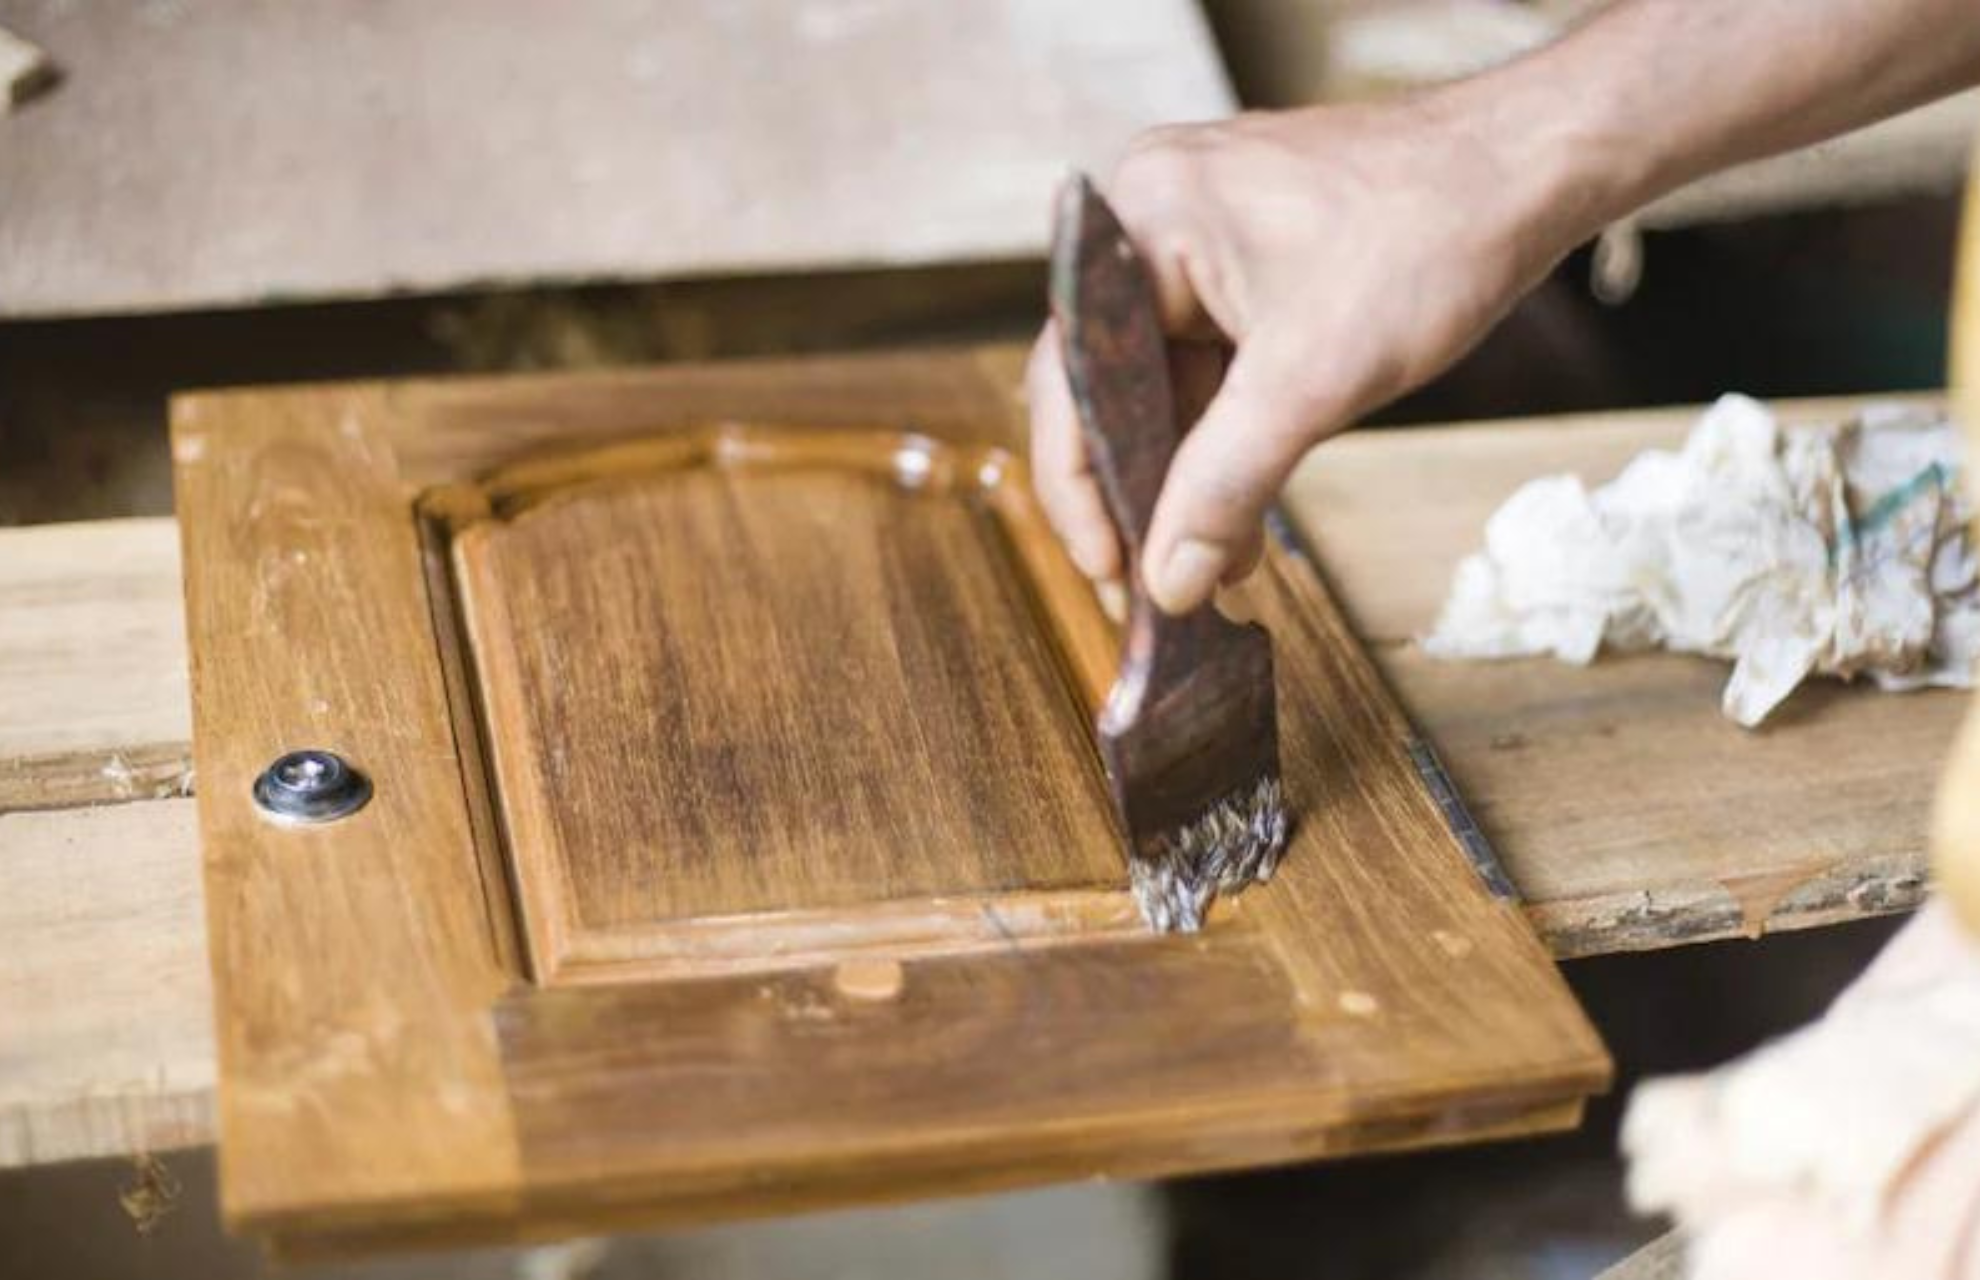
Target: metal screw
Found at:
311, 786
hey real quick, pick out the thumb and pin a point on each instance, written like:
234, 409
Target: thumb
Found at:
1227, 471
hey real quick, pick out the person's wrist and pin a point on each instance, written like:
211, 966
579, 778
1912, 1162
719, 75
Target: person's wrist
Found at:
1564, 172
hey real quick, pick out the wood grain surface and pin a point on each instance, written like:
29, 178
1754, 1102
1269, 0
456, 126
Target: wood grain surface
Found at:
717, 634
751, 683
113, 1075
344, 959
106, 1015
241, 151
93, 700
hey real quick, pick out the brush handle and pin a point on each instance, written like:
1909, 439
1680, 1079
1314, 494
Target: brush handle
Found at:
1105, 305
1189, 732
1117, 364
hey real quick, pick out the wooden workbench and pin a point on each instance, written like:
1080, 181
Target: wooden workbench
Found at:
1628, 812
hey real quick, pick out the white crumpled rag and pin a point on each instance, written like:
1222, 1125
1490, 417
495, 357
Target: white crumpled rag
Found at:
1841, 551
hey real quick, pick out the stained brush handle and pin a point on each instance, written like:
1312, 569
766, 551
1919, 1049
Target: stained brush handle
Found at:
1105, 304
1117, 362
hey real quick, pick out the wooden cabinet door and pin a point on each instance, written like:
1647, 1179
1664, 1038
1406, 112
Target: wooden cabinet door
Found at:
736, 840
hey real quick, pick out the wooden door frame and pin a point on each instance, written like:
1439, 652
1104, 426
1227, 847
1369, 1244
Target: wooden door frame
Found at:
388, 1073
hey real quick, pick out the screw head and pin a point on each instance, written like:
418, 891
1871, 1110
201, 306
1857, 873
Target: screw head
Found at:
310, 786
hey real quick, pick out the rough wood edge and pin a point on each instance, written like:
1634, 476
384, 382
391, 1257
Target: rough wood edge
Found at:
108, 775
1502, 1121
1654, 918
102, 1123
1661, 1259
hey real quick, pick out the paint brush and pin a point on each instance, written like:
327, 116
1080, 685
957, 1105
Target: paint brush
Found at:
1189, 733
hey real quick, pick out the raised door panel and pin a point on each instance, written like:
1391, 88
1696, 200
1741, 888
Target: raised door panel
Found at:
753, 695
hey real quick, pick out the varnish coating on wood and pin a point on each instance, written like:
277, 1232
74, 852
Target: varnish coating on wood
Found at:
633, 687
754, 680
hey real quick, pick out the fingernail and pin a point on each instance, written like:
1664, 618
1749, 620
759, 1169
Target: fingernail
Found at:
1186, 578
1091, 557
1113, 596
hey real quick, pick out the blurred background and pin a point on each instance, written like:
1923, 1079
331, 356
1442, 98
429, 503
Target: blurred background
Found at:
223, 192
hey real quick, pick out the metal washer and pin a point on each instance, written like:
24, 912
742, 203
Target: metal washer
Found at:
310, 786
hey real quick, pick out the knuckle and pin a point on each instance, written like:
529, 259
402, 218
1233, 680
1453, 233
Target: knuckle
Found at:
1226, 499
1214, 499
1155, 176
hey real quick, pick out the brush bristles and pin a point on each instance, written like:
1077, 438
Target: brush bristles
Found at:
1236, 843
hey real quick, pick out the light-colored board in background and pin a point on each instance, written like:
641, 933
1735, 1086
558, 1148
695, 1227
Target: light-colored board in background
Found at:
250, 151
244, 151
93, 702
106, 1013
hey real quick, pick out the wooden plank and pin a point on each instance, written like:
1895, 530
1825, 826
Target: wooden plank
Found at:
92, 665
633, 1062
1719, 832
104, 991
1378, 991
428, 146
104, 995
1376, 505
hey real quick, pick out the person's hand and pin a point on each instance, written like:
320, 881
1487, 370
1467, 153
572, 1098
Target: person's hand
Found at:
1347, 254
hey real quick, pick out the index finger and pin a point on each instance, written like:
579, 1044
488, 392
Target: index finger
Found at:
1060, 474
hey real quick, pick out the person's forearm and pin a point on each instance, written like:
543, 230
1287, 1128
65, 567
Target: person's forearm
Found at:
1348, 254
1651, 94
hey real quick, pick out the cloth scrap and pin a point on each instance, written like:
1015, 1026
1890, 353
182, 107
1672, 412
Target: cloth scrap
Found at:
1838, 551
